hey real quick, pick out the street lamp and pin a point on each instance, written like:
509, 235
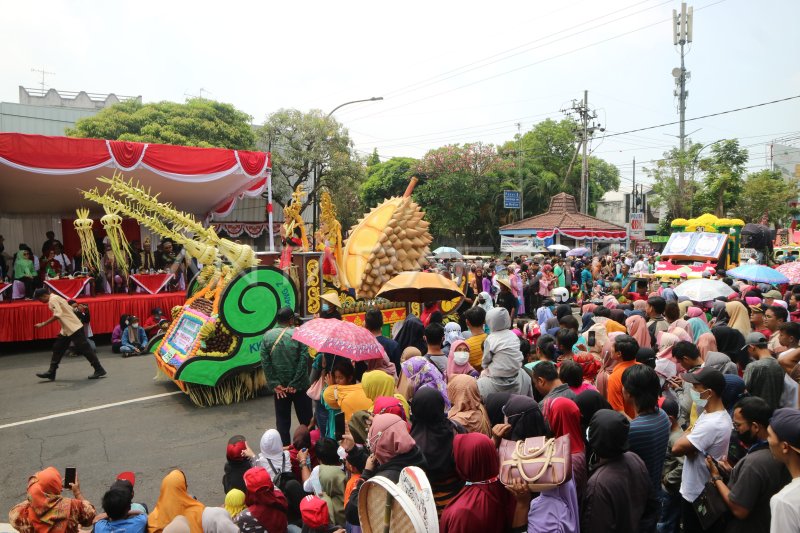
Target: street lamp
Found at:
316, 166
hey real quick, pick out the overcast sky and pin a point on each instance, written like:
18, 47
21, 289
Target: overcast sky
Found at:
450, 72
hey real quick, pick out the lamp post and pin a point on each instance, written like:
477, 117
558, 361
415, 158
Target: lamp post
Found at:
316, 166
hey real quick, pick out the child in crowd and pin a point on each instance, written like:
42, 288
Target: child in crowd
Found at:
116, 334
502, 357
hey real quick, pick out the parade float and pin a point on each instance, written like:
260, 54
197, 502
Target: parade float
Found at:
700, 245
211, 348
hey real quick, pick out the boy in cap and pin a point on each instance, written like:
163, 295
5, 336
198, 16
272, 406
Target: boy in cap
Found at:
708, 437
783, 435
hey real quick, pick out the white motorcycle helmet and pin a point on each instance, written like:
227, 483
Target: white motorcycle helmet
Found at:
560, 295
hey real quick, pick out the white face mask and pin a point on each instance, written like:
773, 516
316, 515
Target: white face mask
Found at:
135, 325
460, 358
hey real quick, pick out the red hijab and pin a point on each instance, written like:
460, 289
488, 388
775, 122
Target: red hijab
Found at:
564, 418
266, 503
483, 501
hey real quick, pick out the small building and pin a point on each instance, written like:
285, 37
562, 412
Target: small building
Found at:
563, 224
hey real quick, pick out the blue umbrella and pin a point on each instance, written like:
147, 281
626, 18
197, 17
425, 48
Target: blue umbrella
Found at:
446, 252
758, 274
578, 252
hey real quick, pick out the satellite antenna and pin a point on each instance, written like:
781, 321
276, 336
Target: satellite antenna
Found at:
676, 72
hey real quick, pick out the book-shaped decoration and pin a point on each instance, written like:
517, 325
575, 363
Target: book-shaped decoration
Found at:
695, 246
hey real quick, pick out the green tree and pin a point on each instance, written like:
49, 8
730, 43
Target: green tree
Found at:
374, 159
551, 164
724, 172
766, 192
386, 179
198, 122
664, 175
307, 144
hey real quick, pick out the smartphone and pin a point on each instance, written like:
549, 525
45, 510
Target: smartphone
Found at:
70, 474
592, 339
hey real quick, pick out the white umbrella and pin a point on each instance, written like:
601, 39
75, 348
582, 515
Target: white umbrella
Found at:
446, 252
558, 248
703, 290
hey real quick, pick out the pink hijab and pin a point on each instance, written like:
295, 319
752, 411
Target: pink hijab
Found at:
452, 367
681, 333
696, 312
640, 305
666, 366
637, 328
588, 308
609, 302
678, 324
706, 343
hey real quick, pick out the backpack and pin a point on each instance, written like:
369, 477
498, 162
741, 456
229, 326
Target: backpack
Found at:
282, 478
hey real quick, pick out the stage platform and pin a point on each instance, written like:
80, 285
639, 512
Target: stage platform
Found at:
17, 318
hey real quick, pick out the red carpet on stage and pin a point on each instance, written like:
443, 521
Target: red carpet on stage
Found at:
17, 318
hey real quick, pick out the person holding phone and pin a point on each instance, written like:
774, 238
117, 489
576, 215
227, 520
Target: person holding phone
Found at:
45, 509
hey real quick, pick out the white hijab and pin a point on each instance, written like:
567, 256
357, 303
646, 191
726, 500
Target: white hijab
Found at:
272, 452
487, 304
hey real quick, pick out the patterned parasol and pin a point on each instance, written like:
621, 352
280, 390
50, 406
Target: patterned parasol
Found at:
791, 271
339, 338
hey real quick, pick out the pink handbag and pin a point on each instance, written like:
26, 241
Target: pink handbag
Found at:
540, 462
315, 390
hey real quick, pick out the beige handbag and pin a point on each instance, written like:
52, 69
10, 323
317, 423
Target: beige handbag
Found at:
540, 462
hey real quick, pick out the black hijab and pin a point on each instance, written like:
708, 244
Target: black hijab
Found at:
494, 406
589, 402
608, 434
525, 417
730, 341
432, 430
411, 334
563, 310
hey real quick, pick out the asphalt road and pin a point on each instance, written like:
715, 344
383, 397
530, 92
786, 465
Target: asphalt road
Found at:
149, 436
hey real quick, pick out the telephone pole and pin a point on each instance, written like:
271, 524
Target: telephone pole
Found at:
519, 171
581, 113
681, 36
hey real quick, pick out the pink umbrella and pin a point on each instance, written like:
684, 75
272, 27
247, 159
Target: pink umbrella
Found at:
339, 338
791, 271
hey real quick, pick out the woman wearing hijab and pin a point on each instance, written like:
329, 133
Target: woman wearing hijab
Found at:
418, 373
666, 365
46, 511
589, 402
523, 419
412, 334
458, 361
344, 393
452, 334
378, 383
607, 363
556, 510
273, 457
738, 317
543, 316
696, 327
392, 449
730, 342
217, 520
467, 409
434, 433
484, 300
609, 302
174, 500
637, 328
266, 506
696, 312
564, 418
494, 407
706, 343
719, 314
483, 504
332, 479
391, 404
359, 426
237, 464
234, 502
516, 288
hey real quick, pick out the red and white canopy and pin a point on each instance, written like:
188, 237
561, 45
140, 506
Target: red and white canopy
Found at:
40, 174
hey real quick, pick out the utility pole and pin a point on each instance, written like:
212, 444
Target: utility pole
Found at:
681, 36
581, 113
519, 171
635, 207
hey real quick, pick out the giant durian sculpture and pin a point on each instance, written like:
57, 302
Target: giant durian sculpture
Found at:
392, 238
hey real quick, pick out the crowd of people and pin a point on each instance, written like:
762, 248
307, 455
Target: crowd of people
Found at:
31, 269
680, 415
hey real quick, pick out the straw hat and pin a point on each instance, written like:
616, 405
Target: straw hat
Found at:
506, 282
332, 298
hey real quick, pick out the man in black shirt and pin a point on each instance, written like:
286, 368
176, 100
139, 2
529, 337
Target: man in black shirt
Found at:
373, 321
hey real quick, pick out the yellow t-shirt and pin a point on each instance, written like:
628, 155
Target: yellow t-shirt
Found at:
70, 323
475, 344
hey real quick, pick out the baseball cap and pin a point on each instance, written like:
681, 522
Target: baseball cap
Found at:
314, 512
772, 294
709, 378
755, 338
785, 423
130, 477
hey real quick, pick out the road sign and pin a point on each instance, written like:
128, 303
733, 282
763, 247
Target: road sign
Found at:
636, 231
511, 199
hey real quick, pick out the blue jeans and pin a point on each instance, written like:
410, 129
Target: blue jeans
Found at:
669, 519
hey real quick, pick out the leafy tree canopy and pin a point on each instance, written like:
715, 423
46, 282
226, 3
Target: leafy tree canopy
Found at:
198, 122
386, 179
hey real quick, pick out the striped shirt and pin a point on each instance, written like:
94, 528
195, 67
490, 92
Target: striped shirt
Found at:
648, 438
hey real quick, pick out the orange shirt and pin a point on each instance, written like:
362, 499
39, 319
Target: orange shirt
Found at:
351, 484
614, 389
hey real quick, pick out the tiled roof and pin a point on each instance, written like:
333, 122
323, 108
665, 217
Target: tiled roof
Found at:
562, 214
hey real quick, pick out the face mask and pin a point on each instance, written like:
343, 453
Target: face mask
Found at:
697, 399
460, 358
326, 307
747, 438
135, 325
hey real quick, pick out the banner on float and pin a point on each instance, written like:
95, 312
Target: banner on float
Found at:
520, 244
